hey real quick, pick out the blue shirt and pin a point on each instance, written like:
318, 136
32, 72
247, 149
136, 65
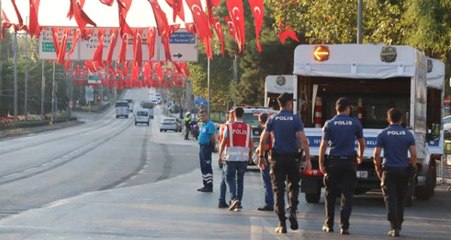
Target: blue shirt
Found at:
205, 130
396, 141
341, 132
284, 126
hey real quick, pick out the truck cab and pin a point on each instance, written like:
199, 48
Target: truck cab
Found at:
374, 77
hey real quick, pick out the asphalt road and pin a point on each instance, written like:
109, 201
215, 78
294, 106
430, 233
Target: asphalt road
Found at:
110, 179
101, 154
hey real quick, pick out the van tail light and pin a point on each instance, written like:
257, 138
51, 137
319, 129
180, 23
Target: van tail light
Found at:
313, 173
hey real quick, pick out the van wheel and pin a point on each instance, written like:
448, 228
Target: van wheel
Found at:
147, 123
161, 130
427, 191
117, 116
136, 123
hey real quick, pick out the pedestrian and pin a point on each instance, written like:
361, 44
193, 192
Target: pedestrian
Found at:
238, 144
396, 168
187, 121
264, 170
287, 130
223, 187
339, 167
207, 144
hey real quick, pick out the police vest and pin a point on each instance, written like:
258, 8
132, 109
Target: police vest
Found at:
239, 135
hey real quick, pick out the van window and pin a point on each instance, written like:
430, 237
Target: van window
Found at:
121, 104
142, 113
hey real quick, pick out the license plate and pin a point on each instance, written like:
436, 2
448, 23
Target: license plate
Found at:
362, 174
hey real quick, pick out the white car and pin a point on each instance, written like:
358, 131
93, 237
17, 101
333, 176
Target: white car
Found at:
170, 123
122, 109
447, 123
142, 116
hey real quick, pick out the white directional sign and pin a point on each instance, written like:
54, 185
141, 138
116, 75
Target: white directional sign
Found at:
183, 47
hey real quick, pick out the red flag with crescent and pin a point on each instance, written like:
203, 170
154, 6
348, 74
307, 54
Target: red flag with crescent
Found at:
236, 13
34, 28
55, 32
98, 54
219, 34
202, 24
137, 46
76, 11
257, 7
165, 40
113, 42
177, 8
123, 8
231, 27
190, 27
5, 24
123, 48
151, 35
107, 2
160, 17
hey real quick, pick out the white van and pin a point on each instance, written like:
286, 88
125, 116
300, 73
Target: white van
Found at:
149, 105
142, 116
122, 108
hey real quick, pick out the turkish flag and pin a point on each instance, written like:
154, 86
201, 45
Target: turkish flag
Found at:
74, 41
98, 54
62, 47
147, 70
19, 17
55, 32
76, 11
113, 42
107, 2
211, 17
287, 33
190, 27
236, 13
151, 35
177, 9
165, 40
160, 17
34, 28
219, 34
123, 8
5, 24
258, 12
202, 24
231, 27
123, 48
137, 46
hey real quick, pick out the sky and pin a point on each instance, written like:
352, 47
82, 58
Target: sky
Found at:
53, 13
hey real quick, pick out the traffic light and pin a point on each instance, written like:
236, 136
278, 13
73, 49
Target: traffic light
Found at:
321, 53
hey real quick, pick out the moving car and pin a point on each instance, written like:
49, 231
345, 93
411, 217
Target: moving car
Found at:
142, 116
170, 123
122, 108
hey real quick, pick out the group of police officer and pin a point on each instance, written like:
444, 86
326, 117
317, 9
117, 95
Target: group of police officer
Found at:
290, 144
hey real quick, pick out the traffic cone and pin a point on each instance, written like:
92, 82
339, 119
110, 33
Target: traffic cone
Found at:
360, 110
318, 112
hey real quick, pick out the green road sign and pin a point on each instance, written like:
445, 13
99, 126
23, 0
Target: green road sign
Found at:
49, 47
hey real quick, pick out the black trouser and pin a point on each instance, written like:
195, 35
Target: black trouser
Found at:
187, 128
394, 188
285, 167
341, 176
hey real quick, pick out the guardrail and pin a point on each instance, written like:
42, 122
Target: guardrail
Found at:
444, 170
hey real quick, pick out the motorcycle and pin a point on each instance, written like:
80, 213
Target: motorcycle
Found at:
194, 129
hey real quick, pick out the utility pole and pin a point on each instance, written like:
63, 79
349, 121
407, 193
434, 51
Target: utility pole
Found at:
42, 89
15, 75
53, 94
359, 21
208, 84
1, 67
26, 77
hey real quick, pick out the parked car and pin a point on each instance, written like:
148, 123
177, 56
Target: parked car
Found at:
122, 108
170, 123
142, 116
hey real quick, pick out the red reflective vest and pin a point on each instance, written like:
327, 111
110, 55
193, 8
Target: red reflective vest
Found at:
239, 140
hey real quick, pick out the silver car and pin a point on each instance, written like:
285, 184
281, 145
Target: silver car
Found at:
170, 123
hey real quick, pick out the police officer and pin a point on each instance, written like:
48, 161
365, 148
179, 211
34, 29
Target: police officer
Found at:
207, 143
340, 133
238, 141
223, 187
187, 121
287, 129
396, 167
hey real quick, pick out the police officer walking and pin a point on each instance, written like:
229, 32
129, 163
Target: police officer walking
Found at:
396, 168
287, 130
207, 144
339, 168
238, 141
187, 121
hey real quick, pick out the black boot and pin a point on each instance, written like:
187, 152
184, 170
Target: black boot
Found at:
293, 221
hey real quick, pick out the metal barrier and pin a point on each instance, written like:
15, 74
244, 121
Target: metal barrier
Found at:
444, 170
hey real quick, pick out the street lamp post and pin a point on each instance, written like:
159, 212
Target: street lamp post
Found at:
15, 75
208, 85
26, 78
359, 21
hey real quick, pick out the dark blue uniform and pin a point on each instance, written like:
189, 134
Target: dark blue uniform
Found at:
395, 141
284, 165
340, 132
